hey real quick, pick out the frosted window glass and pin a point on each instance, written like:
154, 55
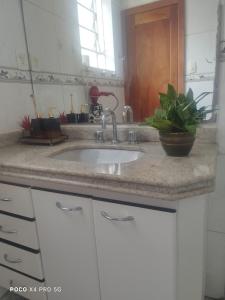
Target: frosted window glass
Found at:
87, 39
92, 58
96, 33
86, 18
87, 3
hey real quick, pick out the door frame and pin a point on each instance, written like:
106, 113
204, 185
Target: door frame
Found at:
181, 36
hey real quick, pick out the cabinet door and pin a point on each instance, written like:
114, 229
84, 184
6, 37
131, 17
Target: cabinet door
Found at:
66, 233
136, 252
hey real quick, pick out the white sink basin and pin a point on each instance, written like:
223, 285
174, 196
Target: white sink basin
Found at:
99, 156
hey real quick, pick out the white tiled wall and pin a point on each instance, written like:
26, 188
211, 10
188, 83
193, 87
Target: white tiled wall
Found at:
216, 224
53, 36
217, 201
15, 103
221, 113
14, 97
53, 40
12, 42
215, 271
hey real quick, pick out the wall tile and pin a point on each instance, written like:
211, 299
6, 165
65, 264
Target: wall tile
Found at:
15, 103
68, 46
65, 9
79, 97
44, 4
42, 38
48, 96
201, 49
201, 16
221, 112
12, 42
200, 87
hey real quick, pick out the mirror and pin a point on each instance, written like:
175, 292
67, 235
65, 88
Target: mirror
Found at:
61, 67
55, 56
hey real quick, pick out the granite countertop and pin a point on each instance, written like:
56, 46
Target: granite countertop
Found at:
154, 175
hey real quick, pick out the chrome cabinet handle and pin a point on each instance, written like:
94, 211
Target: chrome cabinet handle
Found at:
7, 231
11, 260
5, 199
59, 205
106, 216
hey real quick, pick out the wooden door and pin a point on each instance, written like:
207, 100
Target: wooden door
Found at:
136, 256
153, 46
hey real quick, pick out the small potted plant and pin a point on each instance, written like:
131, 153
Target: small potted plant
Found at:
177, 120
26, 125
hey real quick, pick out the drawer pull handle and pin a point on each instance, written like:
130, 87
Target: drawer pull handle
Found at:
59, 205
7, 231
12, 261
5, 199
106, 216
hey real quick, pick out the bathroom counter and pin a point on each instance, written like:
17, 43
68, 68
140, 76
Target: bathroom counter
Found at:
154, 175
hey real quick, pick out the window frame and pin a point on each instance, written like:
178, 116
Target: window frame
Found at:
97, 50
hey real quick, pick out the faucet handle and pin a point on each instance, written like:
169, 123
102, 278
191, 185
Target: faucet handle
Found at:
104, 122
132, 137
99, 136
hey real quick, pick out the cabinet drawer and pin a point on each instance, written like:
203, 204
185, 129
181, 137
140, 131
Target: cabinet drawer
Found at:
21, 260
18, 231
9, 278
16, 200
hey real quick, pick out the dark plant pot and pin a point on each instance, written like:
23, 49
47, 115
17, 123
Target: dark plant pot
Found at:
177, 144
45, 128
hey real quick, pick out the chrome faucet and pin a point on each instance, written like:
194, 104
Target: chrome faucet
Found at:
104, 116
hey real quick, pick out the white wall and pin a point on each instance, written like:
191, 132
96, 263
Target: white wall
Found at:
14, 96
200, 42
216, 224
53, 38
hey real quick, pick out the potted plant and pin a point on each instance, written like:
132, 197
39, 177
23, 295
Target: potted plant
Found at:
26, 125
177, 120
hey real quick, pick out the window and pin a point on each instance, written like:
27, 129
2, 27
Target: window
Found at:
96, 33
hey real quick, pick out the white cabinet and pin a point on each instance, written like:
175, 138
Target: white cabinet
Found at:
96, 249
66, 233
136, 250
21, 260
18, 231
16, 200
128, 252
34, 290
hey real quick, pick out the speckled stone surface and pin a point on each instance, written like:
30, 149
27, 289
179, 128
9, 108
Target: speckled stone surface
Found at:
154, 175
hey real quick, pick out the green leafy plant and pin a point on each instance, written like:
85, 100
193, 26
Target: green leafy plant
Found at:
178, 112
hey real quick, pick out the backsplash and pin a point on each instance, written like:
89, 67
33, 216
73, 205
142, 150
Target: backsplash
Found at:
205, 133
